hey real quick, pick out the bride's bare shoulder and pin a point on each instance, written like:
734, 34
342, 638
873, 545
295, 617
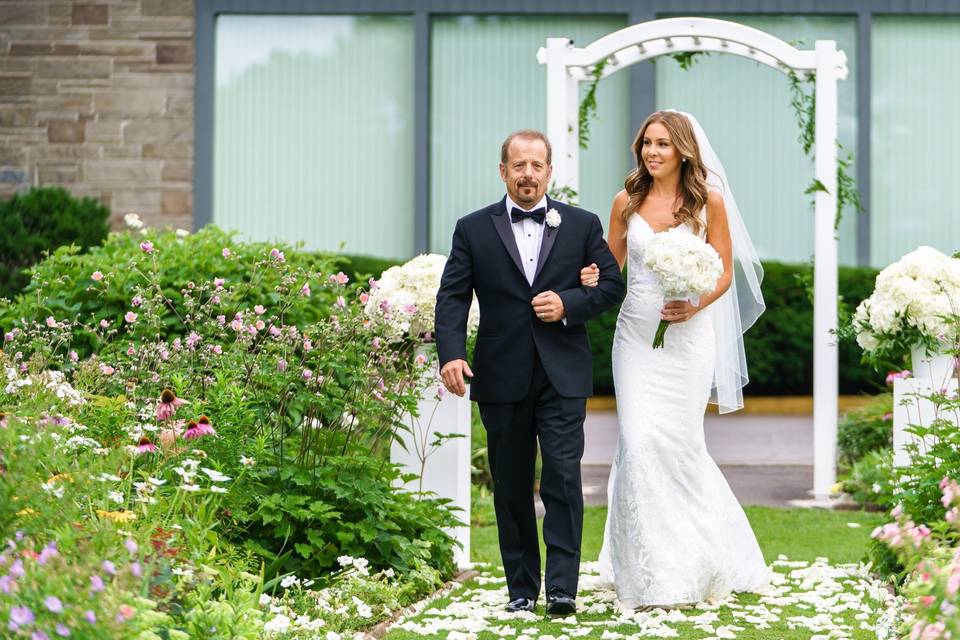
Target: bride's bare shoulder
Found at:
621, 199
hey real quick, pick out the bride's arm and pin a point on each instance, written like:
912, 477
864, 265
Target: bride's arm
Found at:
616, 240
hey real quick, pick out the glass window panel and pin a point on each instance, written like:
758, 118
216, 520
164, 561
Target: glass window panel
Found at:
486, 83
313, 131
915, 130
745, 108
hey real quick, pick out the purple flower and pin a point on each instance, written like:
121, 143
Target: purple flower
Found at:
137, 301
63, 630
20, 617
131, 545
145, 446
146, 246
8, 337
53, 604
16, 569
6, 584
281, 365
90, 617
169, 402
136, 569
49, 551
218, 282
109, 567
39, 635
307, 374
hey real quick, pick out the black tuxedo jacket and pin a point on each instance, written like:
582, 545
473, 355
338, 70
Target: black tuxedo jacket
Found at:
484, 258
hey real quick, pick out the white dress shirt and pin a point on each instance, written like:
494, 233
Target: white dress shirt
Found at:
528, 235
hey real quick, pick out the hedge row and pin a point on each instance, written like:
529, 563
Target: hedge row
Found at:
779, 346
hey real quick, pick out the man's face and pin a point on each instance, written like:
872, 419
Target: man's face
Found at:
526, 172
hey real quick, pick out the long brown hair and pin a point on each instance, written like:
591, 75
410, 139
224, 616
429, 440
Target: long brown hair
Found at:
693, 174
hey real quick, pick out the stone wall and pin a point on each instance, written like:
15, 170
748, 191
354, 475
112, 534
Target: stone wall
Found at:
98, 98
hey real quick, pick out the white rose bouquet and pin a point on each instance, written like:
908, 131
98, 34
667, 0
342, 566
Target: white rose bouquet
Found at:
685, 267
912, 304
404, 299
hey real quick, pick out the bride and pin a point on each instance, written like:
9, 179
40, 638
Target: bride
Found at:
675, 533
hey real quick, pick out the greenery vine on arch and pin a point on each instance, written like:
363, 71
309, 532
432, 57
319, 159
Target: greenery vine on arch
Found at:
802, 100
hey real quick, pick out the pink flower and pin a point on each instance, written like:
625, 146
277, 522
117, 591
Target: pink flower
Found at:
221, 320
51, 322
218, 282
305, 291
193, 340
341, 303
131, 351
259, 324
198, 429
145, 446
281, 365
130, 317
225, 253
8, 337
168, 404
259, 309
126, 612
420, 359
73, 356
277, 255
373, 283
236, 325
104, 324
53, 604
274, 331
307, 345
97, 276
375, 343
96, 584
340, 278
896, 375
307, 374
217, 349
3, 420
137, 300
364, 297
106, 369
146, 246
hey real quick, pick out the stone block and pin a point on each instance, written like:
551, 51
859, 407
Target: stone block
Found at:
14, 85
166, 8
122, 50
176, 202
90, 14
65, 152
174, 171
180, 104
72, 68
12, 154
21, 13
123, 150
174, 53
30, 49
168, 151
65, 131
58, 174
80, 103
160, 131
14, 176
105, 130
129, 102
127, 200
138, 80
17, 116
128, 172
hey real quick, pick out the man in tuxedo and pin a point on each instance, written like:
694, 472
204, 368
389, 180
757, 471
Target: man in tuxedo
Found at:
522, 256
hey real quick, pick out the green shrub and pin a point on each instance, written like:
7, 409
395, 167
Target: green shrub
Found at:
871, 479
62, 286
41, 220
865, 429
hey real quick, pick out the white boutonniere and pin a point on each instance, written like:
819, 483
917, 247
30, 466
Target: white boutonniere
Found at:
553, 218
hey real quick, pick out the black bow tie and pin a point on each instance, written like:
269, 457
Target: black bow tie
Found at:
537, 215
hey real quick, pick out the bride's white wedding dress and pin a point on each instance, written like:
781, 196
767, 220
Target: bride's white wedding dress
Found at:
675, 533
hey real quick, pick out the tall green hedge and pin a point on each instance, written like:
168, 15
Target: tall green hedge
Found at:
779, 346
40, 220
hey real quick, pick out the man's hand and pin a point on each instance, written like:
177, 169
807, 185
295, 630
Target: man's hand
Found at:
452, 374
549, 307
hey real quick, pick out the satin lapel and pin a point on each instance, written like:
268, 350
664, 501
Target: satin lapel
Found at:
501, 223
546, 245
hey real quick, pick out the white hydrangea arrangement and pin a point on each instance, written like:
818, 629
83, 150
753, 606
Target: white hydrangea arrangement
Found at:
685, 267
911, 305
404, 298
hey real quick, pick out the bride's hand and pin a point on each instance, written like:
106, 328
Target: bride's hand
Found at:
590, 276
678, 311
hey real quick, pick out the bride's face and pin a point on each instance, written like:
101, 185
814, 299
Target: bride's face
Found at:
660, 156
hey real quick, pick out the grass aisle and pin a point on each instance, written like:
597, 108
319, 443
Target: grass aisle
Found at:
820, 591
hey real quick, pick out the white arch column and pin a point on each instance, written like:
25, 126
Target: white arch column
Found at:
567, 66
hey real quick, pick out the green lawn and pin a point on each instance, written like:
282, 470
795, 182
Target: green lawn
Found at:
826, 598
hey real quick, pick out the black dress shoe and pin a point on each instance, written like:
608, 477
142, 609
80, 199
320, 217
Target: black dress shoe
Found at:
521, 604
560, 603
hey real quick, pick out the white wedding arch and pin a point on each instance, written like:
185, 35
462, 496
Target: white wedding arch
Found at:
568, 66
